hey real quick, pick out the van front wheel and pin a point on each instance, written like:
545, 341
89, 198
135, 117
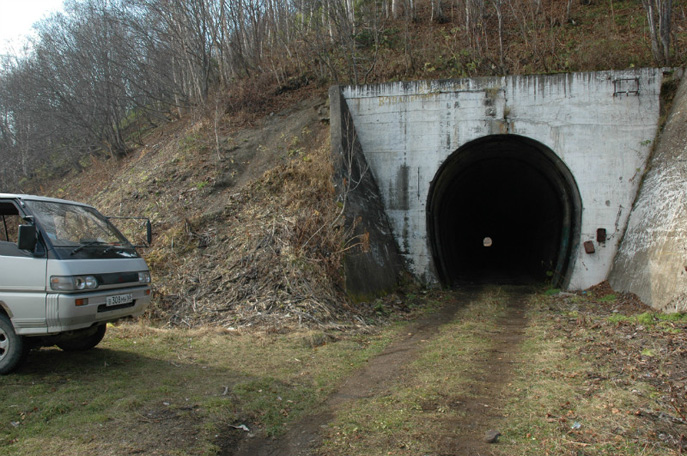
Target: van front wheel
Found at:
89, 339
12, 346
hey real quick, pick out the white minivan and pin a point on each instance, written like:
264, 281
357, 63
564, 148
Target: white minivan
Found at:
65, 272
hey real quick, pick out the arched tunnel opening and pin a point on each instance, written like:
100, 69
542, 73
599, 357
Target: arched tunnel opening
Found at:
503, 209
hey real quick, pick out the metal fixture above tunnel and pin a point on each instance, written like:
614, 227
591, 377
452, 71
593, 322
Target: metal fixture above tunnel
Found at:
504, 209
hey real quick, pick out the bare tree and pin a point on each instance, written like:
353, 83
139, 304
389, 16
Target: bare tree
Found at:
437, 11
659, 15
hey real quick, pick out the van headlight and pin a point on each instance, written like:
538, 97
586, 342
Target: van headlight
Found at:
73, 283
144, 277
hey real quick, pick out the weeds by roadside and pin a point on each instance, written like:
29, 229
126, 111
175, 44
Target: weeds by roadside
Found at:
605, 376
247, 233
597, 373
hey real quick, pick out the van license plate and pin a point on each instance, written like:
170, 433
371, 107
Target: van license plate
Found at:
119, 299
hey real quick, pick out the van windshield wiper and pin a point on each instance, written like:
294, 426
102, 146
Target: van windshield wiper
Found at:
117, 246
86, 244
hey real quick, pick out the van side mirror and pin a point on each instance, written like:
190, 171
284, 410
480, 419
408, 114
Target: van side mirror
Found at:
149, 232
27, 237
149, 228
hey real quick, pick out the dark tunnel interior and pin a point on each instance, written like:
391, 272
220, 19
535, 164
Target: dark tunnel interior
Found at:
502, 210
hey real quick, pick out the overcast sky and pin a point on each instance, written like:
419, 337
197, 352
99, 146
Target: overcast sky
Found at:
17, 17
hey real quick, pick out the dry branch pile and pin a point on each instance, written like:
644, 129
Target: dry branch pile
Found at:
270, 255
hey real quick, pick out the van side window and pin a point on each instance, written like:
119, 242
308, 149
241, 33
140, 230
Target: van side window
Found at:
9, 229
9, 222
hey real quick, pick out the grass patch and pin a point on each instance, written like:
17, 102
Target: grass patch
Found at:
171, 392
609, 298
650, 319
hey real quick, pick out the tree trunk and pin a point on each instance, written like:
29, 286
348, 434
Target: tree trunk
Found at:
437, 12
659, 14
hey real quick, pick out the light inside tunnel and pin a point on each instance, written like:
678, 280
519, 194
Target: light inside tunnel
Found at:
503, 209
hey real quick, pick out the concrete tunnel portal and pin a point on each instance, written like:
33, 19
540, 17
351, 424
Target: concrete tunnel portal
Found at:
503, 209
515, 178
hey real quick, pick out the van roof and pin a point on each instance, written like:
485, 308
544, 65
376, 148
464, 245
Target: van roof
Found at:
23, 197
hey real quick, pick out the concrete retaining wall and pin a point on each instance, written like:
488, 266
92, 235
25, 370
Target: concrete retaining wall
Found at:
652, 260
374, 266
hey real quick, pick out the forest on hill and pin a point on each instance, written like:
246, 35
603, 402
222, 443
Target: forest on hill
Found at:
100, 75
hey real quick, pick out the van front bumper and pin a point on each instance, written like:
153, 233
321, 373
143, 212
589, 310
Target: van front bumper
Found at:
68, 312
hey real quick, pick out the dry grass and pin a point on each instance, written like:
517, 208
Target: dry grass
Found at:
270, 254
586, 390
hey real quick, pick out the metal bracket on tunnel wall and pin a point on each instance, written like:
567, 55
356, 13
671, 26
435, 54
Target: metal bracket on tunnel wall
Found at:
589, 247
600, 238
601, 235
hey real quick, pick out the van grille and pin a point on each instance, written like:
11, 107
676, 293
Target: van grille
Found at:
117, 278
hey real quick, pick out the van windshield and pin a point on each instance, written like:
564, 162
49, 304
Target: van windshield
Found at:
79, 232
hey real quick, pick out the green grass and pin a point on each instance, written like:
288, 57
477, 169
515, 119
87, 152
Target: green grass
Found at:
143, 386
649, 319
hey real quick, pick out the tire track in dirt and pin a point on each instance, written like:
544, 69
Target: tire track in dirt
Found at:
463, 436
493, 369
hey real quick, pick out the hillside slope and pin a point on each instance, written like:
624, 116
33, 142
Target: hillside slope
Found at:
246, 226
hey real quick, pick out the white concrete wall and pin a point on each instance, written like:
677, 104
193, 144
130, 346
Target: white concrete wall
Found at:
652, 261
408, 129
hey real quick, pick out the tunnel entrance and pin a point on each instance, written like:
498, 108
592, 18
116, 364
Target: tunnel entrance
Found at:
503, 209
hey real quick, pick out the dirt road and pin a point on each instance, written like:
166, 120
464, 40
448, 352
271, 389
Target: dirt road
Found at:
460, 433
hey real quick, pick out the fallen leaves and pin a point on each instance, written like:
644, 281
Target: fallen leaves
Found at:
636, 350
